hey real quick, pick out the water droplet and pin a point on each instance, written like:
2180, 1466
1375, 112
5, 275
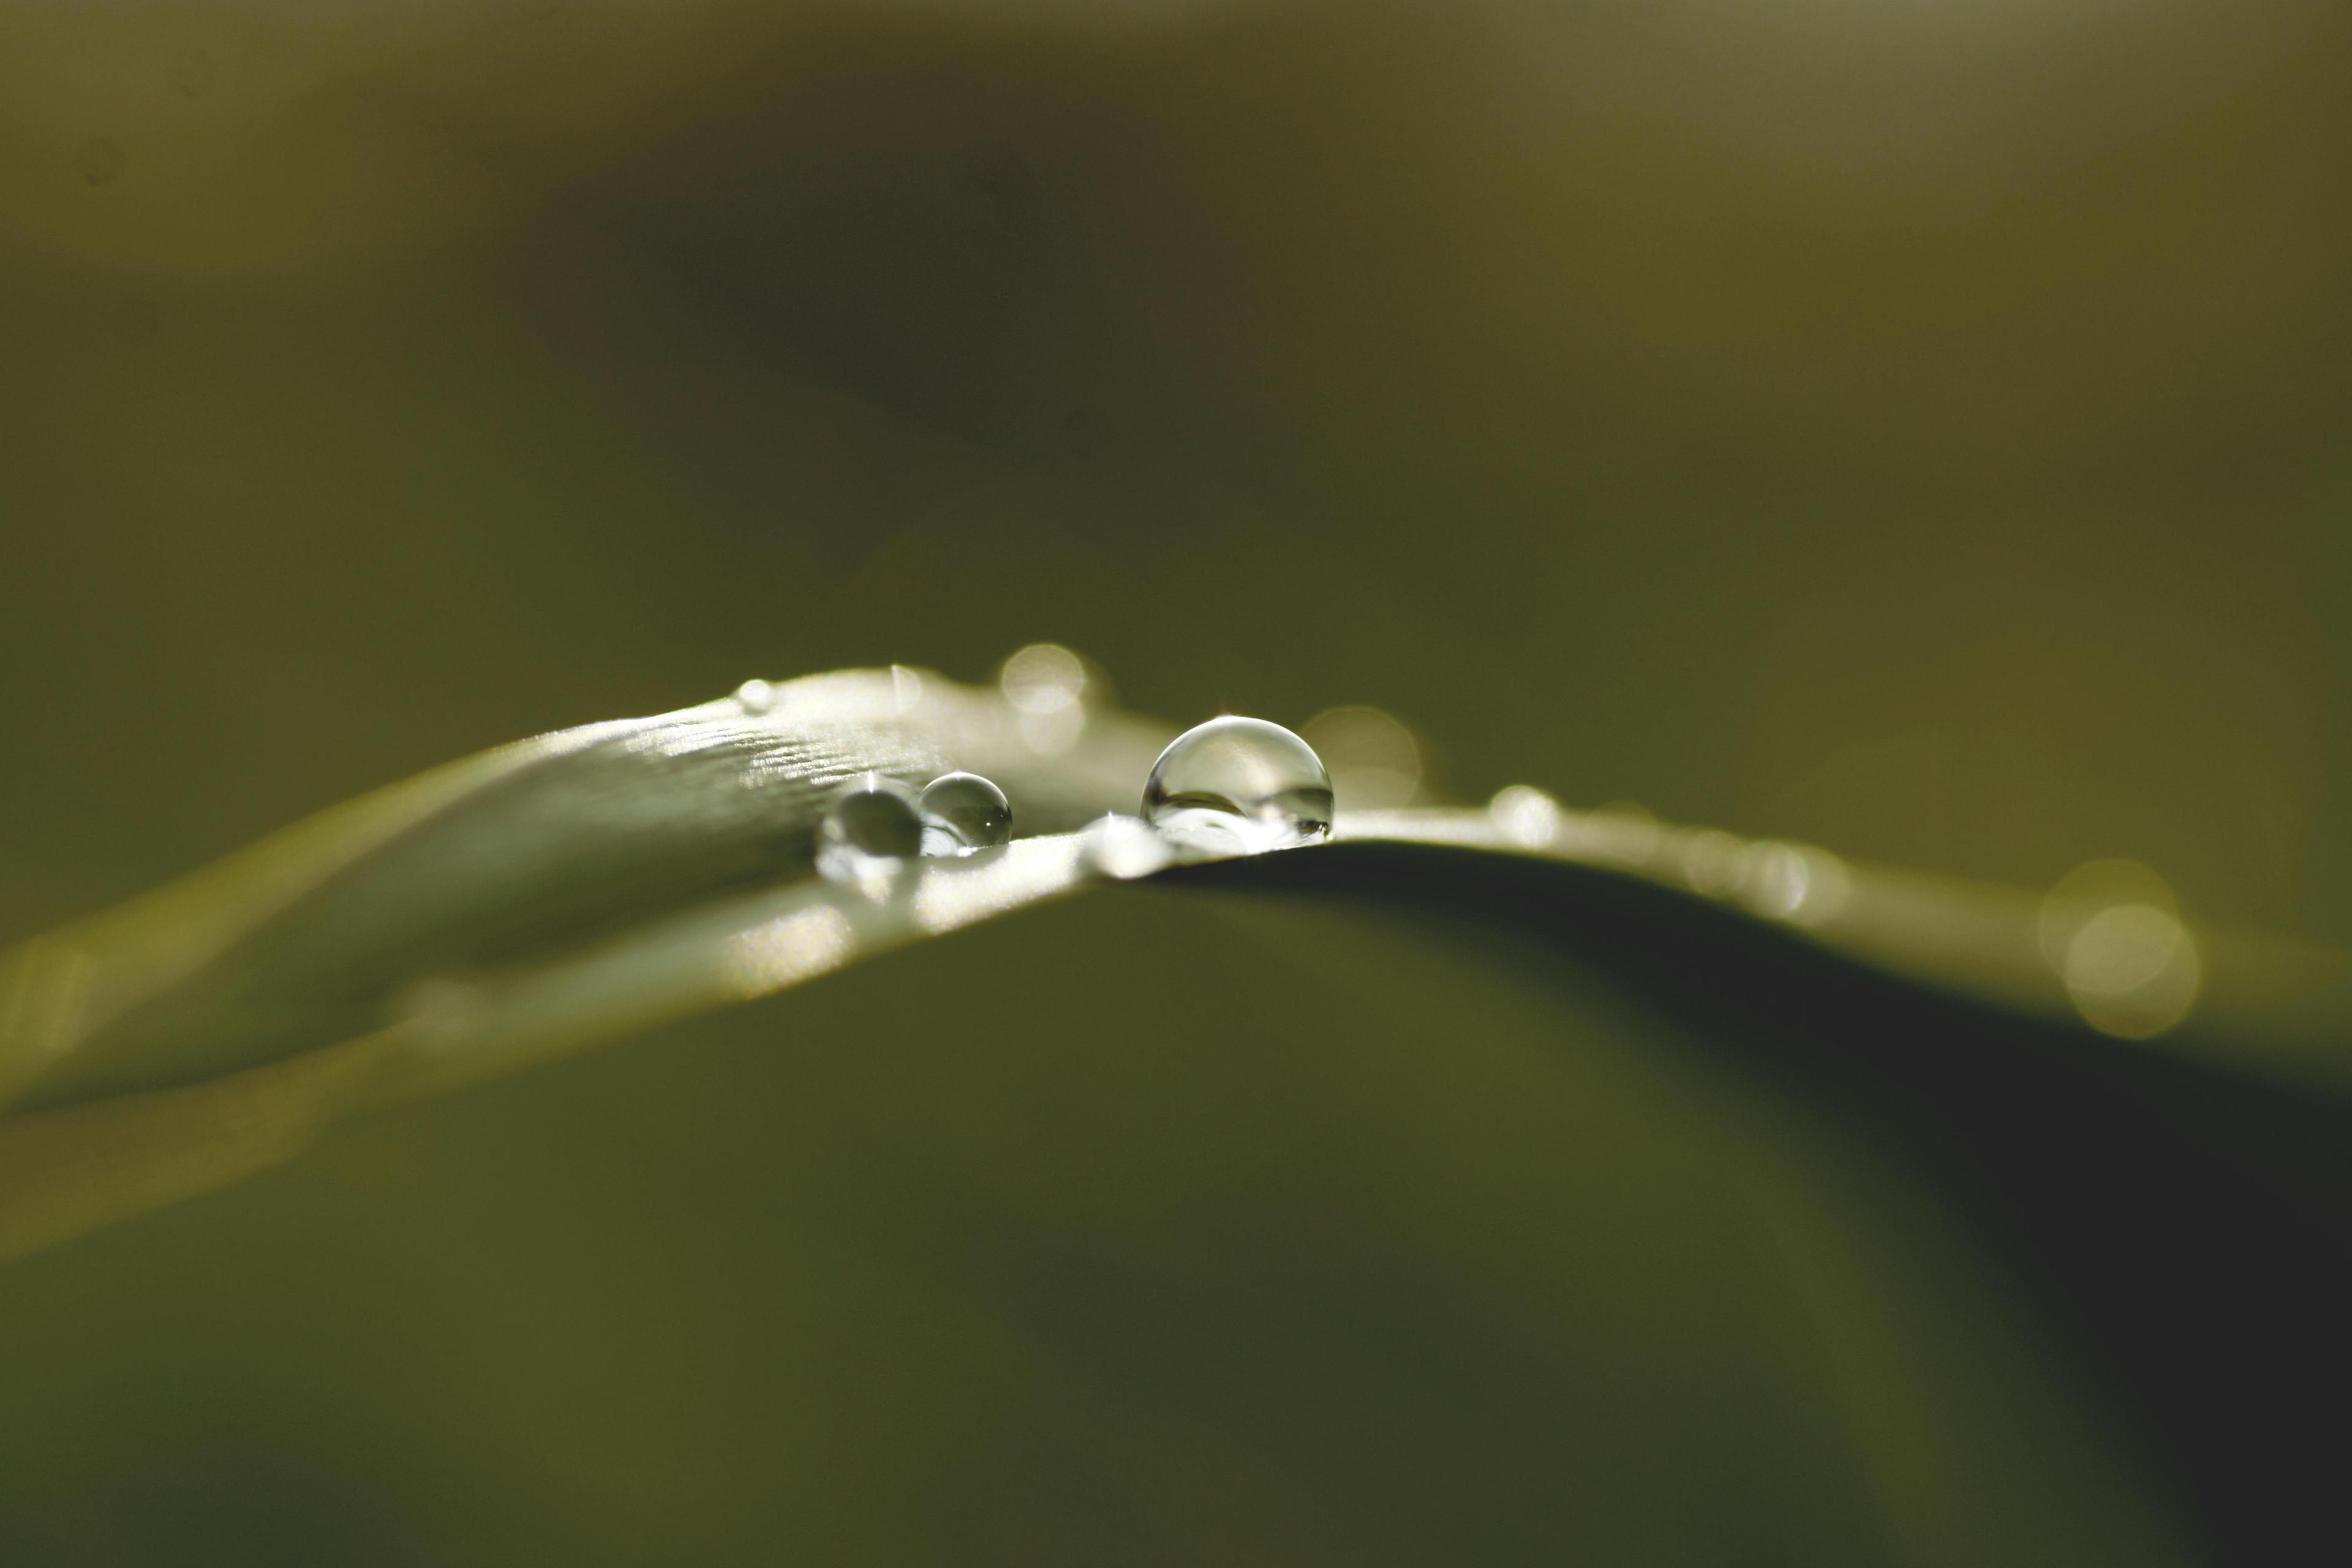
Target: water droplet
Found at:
1794, 882
963, 812
1238, 786
2112, 932
872, 824
755, 695
1124, 847
1526, 815
2133, 971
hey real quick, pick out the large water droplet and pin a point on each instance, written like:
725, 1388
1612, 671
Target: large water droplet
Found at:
1238, 786
963, 812
873, 823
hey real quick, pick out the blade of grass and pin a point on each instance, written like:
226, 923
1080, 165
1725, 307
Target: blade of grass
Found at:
590, 886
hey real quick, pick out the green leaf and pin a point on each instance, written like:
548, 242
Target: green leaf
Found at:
593, 883
1489, 1184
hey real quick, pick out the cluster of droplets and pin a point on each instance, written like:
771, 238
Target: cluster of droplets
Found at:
1231, 787
875, 821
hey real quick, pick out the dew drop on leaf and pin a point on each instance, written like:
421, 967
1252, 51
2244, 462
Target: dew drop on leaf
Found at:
1238, 786
963, 812
1526, 815
872, 822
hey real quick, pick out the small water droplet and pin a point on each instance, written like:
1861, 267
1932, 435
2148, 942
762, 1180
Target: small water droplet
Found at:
755, 695
2133, 971
872, 824
2114, 932
1124, 848
963, 812
1239, 786
1526, 815
1778, 879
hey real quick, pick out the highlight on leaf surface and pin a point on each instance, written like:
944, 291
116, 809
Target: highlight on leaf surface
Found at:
597, 883
1662, 1099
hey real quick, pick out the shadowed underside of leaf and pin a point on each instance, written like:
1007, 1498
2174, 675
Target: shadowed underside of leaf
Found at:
595, 882
606, 883
591, 883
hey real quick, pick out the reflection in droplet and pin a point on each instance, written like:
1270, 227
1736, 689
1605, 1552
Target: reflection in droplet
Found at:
1124, 848
1526, 815
871, 825
1238, 786
963, 812
756, 696
2112, 930
1373, 760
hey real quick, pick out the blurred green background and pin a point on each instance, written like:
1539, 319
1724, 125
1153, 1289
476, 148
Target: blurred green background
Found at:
1921, 428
